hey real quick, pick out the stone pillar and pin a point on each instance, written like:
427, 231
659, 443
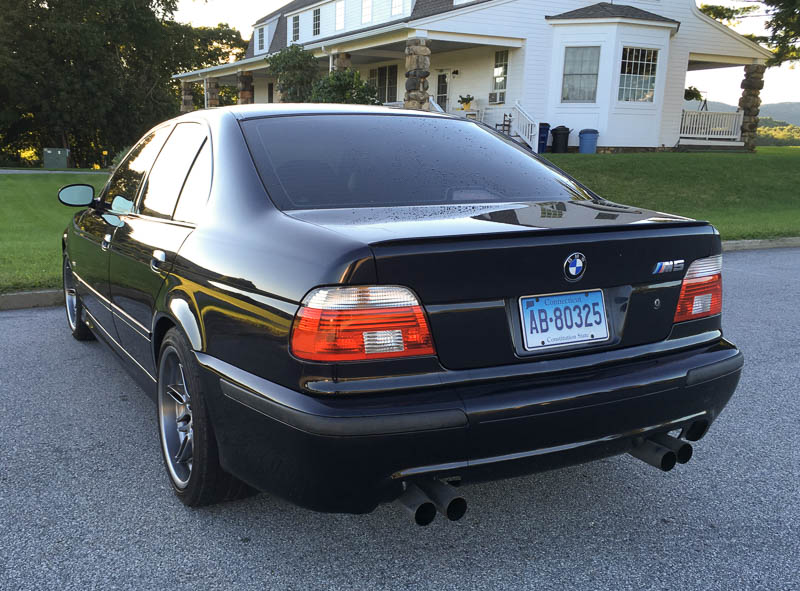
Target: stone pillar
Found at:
750, 102
187, 99
212, 93
418, 65
245, 88
341, 61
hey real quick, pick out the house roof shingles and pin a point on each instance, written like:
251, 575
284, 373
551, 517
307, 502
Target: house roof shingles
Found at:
608, 10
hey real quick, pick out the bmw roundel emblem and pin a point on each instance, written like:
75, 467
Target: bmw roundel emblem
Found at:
574, 266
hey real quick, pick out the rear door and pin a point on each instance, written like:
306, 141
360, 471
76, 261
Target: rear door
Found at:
97, 226
145, 245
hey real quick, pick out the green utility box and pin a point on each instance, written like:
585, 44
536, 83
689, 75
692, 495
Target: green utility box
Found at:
55, 157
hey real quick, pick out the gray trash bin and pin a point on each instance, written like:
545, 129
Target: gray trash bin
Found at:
55, 157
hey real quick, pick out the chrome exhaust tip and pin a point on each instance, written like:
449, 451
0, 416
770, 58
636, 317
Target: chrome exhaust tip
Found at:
419, 506
654, 454
683, 450
446, 498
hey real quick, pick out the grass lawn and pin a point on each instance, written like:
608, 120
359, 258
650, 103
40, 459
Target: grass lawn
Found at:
743, 195
31, 223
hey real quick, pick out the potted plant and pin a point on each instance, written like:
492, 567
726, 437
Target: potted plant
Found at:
465, 101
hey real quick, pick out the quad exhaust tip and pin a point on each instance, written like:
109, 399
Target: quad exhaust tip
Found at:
662, 451
423, 499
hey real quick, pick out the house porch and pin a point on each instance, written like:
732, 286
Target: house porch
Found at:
724, 130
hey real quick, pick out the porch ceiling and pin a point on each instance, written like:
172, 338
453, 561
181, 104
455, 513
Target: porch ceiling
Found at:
705, 61
396, 50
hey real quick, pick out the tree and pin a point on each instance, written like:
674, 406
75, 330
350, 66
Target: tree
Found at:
344, 86
295, 71
784, 26
783, 23
727, 15
94, 76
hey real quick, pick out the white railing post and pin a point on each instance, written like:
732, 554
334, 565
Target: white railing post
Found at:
525, 126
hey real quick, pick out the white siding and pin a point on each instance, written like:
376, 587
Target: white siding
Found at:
261, 93
381, 13
269, 33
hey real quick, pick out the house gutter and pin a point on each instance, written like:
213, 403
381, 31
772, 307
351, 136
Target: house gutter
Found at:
230, 68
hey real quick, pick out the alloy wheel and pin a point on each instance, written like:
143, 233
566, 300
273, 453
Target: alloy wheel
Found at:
70, 296
175, 418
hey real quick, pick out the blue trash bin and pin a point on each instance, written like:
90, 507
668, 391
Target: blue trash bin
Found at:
588, 141
544, 132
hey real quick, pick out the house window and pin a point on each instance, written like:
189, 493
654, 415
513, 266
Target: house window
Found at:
296, 27
340, 15
316, 22
366, 11
397, 7
261, 39
385, 80
637, 79
581, 65
500, 76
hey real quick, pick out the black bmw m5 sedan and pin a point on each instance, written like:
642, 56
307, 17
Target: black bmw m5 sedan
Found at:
348, 305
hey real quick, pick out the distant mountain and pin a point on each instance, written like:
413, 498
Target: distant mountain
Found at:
781, 111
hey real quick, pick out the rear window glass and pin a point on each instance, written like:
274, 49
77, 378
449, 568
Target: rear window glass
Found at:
337, 161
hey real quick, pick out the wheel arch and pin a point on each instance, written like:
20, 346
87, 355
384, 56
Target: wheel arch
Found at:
177, 313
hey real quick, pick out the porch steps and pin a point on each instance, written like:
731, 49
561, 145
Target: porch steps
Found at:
710, 148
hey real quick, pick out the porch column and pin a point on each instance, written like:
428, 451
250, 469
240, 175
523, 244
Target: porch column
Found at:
418, 65
750, 102
341, 61
187, 98
212, 93
245, 80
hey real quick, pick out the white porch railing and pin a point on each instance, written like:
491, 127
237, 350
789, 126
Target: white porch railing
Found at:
525, 126
711, 125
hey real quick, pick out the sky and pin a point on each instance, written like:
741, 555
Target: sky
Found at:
780, 84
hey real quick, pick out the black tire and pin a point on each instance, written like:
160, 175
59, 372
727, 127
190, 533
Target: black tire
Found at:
200, 480
73, 305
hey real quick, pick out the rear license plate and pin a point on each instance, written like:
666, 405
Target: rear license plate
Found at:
563, 319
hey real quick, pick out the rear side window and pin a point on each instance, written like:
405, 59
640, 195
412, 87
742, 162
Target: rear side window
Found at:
195, 191
168, 174
124, 183
335, 161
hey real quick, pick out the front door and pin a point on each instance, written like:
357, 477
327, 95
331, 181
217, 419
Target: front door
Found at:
442, 89
89, 262
99, 224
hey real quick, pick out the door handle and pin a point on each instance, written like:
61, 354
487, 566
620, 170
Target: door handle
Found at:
106, 243
159, 258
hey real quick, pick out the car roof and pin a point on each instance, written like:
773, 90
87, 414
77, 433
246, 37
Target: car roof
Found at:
255, 111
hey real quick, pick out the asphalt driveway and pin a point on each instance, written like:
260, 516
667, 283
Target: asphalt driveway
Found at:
84, 502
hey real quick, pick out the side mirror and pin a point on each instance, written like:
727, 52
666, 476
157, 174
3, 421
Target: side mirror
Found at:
76, 195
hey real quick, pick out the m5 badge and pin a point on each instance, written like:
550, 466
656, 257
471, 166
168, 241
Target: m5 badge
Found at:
668, 267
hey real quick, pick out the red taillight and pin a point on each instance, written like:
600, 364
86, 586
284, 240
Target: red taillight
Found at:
360, 323
701, 292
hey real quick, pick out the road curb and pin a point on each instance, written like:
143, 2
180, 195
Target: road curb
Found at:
55, 297
45, 298
734, 245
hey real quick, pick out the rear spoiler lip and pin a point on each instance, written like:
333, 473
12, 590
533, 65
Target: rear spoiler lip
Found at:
601, 233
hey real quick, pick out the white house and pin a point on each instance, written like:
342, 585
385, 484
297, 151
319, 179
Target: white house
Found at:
617, 68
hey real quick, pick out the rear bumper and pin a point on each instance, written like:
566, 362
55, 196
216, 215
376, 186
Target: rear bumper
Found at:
349, 453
